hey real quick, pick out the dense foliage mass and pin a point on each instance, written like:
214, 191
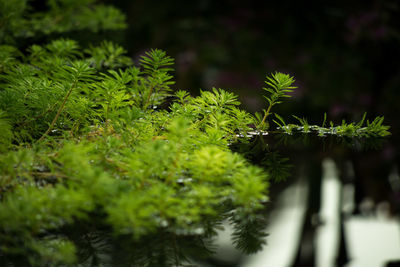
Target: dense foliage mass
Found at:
82, 141
99, 153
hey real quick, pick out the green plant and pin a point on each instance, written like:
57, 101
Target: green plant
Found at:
60, 16
91, 163
281, 84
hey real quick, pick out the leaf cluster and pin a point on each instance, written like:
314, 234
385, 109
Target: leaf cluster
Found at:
361, 129
279, 86
214, 111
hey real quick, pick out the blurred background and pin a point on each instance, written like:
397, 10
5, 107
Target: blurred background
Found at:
345, 57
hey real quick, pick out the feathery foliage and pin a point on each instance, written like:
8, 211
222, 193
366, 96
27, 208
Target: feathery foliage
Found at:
91, 165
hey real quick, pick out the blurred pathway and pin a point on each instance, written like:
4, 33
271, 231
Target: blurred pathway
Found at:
284, 229
370, 241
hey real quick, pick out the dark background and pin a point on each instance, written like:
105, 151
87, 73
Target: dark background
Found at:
344, 56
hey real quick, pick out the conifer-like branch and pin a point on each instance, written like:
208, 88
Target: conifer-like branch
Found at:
279, 85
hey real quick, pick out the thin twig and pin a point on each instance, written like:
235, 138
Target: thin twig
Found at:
148, 98
59, 110
266, 115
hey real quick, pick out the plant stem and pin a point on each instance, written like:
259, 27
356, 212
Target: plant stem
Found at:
106, 122
148, 98
59, 110
266, 115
